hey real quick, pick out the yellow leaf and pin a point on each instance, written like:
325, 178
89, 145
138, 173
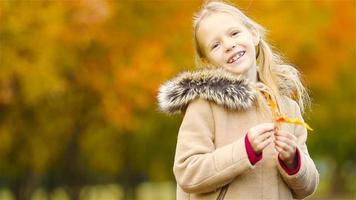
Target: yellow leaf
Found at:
278, 117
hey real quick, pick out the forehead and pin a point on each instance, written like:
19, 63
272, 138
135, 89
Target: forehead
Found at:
216, 23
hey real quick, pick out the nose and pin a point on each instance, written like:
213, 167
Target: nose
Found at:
229, 45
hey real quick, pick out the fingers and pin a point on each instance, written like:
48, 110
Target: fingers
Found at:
259, 136
284, 134
260, 129
287, 157
284, 141
285, 153
279, 149
258, 147
265, 143
263, 137
285, 144
281, 146
265, 127
282, 154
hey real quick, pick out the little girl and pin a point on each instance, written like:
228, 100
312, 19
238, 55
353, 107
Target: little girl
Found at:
233, 142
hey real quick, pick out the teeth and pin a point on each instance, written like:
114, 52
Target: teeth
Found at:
237, 56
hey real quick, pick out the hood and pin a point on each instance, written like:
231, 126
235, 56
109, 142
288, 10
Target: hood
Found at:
216, 85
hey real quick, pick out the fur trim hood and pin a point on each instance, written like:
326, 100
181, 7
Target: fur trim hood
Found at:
215, 85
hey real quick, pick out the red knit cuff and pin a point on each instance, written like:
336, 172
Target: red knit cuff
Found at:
294, 170
252, 156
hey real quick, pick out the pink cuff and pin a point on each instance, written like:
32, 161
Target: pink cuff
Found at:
252, 156
294, 170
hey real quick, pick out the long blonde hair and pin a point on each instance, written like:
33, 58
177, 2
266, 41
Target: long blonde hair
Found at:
273, 71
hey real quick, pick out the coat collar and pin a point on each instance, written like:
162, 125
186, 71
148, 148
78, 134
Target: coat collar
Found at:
216, 85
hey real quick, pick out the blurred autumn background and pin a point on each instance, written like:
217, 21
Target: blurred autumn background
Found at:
78, 80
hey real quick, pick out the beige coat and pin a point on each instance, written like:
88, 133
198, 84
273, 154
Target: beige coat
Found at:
210, 153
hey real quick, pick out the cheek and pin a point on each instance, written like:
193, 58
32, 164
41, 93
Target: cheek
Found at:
216, 56
250, 43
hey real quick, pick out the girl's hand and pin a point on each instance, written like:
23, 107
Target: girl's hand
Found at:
286, 145
260, 136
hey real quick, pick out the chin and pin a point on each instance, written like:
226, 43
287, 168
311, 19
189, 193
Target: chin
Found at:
237, 69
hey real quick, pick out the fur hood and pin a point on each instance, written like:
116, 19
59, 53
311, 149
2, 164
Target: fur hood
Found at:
215, 85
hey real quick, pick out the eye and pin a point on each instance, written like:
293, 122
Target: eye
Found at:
234, 33
214, 46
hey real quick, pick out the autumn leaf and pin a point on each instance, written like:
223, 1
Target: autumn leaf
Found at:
280, 118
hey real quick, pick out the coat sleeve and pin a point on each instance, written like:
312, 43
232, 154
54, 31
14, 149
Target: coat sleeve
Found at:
306, 180
199, 167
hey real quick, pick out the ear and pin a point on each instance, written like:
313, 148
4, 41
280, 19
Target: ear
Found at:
255, 36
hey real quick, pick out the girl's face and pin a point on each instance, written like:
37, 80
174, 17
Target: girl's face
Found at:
227, 43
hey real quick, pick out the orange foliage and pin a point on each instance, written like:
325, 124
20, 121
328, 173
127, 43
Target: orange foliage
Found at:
281, 118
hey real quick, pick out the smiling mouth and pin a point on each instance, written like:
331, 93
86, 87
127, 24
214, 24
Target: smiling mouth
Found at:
236, 57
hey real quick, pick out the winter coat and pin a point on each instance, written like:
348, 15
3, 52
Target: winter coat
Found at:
219, 108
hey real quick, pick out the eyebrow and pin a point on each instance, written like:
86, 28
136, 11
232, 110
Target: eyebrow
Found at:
228, 30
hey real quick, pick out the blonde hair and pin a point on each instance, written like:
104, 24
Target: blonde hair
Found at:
273, 71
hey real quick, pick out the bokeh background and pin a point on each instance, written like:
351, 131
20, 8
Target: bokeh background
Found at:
79, 79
